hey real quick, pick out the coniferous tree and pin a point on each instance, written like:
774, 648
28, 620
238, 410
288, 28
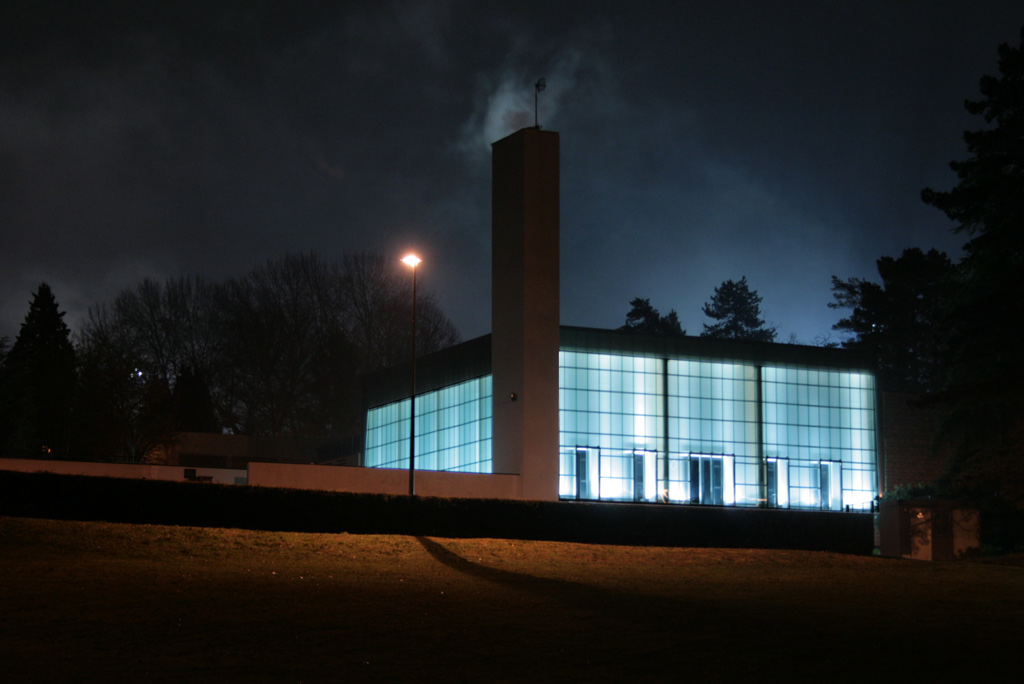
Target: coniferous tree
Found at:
644, 318
37, 384
902, 322
737, 310
986, 367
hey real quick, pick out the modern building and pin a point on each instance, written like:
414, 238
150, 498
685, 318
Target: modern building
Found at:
585, 414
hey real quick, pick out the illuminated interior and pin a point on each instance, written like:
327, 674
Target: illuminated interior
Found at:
453, 430
637, 427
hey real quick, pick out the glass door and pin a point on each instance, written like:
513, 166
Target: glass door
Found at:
706, 480
778, 483
831, 482
588, 473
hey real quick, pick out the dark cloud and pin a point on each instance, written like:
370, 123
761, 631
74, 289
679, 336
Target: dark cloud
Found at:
784, 141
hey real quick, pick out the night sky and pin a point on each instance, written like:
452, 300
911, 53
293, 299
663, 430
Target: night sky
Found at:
785, 141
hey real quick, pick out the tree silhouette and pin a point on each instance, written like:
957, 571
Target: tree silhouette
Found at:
111, 412
901, 322
132, 353
37, 384
644, 318
986, 367
193, 405
282, 335
276, 351
737, 309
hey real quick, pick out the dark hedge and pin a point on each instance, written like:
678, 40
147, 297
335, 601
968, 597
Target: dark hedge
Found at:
201, 504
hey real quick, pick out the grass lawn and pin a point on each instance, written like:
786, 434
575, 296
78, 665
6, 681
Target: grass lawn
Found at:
100, 602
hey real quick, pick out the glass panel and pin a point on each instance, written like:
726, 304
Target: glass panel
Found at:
778, 483
813, 417
453, 430
707, 479
614, 403
831, 485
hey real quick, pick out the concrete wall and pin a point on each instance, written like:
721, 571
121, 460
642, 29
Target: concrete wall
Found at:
295, 476
382, 481
467, 485
125, 470
330, 478
198, 449
525, 309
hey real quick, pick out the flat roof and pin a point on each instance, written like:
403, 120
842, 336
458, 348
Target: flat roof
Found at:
472, 359
711, 349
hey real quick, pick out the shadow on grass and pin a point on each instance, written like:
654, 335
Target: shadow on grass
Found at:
573, 593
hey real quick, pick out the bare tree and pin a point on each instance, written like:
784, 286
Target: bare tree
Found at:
284, 345
377, 299
276, 351
123, 410
170, 326
374, 313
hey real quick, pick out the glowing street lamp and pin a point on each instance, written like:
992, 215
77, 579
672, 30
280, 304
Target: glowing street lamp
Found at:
412, 261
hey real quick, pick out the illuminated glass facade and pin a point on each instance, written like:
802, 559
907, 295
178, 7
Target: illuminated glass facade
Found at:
820, 436
453, 430
611, 426
637, 428
660, 423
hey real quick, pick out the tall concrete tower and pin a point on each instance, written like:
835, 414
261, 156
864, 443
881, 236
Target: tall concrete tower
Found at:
525, 309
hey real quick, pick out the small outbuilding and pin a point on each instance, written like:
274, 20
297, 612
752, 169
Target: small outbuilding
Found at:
928, 529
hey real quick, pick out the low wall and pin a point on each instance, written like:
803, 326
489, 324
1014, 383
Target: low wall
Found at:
466, 485
293, 476
135, 471
383, 481
328, 478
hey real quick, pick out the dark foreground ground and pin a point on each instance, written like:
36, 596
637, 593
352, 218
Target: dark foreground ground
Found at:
102, 602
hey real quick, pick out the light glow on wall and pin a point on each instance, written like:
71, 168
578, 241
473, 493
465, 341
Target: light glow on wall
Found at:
808, 417
638, 428
453, 430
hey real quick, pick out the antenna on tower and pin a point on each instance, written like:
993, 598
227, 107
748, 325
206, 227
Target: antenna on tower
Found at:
538, 86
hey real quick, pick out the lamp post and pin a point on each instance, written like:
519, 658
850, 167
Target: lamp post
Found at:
412, 261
